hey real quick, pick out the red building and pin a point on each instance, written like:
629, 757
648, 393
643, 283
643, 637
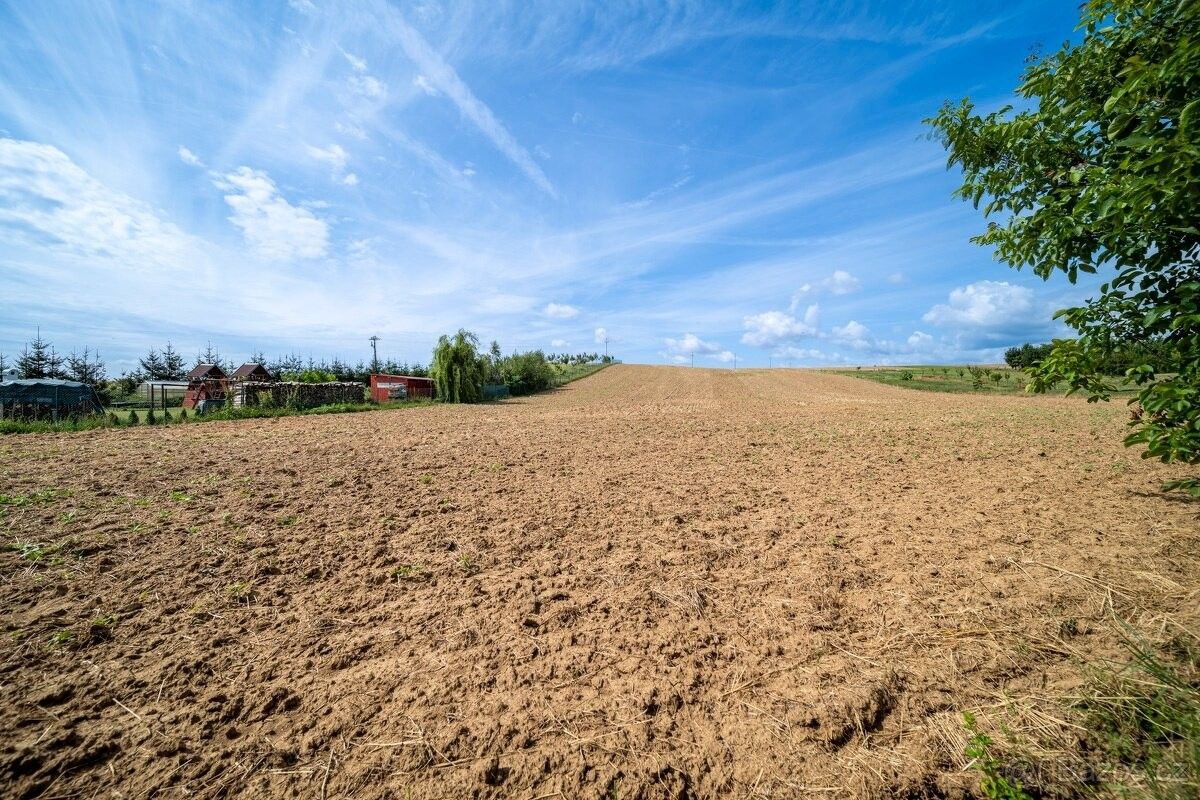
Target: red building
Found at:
386, 388
207, 382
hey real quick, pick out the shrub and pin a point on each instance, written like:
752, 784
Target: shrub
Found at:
524, 373
133, 417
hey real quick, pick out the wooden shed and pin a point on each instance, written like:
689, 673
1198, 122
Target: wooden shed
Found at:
251, 372
207, 384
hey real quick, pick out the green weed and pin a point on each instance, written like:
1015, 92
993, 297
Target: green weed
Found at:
59, 638
408, 572
992, 781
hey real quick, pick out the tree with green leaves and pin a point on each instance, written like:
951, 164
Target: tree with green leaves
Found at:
458, 370
1099, 169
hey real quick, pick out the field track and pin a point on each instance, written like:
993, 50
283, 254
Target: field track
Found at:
655, 582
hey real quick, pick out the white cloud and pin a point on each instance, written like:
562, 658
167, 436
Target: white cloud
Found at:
984, 304
273, 227
798, 297
422, 83
841, 282
852, 333
601, 335
303, 6
359, 64
773, 327
896, 277
368, 86
334, 155
559, 343
682, 350
350, 180
561, 311
576, 118
790, 353
189, 158
442, 77
919, 340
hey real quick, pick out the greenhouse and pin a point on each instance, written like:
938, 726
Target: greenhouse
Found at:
47, 399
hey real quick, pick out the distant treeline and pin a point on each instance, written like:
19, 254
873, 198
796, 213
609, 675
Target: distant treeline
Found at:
1119, 359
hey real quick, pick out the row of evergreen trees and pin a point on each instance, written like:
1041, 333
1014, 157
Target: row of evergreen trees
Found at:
39, 359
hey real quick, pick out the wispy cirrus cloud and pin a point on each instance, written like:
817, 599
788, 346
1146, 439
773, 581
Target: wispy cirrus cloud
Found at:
438, 75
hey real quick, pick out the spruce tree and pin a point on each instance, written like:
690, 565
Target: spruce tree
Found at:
153, 366
39, 360
173, 363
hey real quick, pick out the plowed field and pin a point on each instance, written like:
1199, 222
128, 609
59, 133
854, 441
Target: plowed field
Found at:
654, 582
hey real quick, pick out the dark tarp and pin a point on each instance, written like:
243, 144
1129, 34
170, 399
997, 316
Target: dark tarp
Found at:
37, 397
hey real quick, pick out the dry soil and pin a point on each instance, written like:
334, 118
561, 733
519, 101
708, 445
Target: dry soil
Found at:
652, 583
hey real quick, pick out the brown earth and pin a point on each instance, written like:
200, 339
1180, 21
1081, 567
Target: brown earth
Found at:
655, 582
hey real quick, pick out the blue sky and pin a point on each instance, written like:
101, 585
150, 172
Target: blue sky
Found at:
687, 180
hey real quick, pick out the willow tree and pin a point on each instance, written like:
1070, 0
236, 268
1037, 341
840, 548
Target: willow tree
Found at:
1099, 169
458, 370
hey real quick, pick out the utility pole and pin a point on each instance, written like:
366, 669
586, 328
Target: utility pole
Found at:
693, 357
606, 346
770, 362
374, 354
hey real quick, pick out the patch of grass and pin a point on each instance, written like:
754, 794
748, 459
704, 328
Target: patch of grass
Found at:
1145, 715
121, 418
566, 373
1134, 732
180, 497
30, 551
39, 497
979, 380
239, 590
467, 564
288, 520
426, 479
51, 555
